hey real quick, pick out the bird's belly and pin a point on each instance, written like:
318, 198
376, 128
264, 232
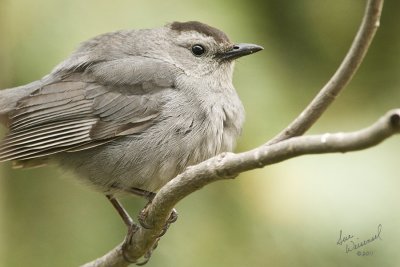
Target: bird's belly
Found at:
144, 163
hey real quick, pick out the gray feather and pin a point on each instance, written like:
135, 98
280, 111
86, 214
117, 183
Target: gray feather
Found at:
128, 109
67, 114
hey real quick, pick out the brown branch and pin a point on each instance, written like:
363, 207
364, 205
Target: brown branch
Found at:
342, 76
229, 165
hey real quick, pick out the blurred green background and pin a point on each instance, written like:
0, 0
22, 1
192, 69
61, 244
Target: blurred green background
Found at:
289, 214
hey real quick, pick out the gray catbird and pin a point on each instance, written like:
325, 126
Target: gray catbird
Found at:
129, 110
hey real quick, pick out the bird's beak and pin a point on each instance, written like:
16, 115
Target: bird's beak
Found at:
239, 50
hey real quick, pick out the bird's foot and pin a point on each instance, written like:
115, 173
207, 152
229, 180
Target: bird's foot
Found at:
143, 215
128, 243
148, 254
132, 229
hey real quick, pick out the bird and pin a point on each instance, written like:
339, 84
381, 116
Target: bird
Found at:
129, 110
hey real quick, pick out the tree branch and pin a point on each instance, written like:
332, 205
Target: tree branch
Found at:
229, 165
280, 148
342, 76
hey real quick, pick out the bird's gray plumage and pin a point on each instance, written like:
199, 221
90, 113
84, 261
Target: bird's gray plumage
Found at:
128, 109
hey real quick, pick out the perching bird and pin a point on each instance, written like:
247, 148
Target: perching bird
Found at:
130, 110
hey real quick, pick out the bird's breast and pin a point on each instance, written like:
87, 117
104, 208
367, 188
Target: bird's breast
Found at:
220, 124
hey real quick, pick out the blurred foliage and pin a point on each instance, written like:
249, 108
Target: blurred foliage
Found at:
289, 214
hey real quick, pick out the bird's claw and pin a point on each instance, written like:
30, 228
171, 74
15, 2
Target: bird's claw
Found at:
128, 242
148, 254
173, 216
142, 219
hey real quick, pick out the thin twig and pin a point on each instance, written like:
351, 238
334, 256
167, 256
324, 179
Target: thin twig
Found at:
229, 165
342, 76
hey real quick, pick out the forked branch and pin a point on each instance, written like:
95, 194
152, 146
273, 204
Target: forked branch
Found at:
287, 144
229, 165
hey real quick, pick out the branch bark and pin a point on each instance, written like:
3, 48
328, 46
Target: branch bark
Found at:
287, 144
229, 165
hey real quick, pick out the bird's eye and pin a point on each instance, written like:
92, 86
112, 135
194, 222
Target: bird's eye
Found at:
198, 50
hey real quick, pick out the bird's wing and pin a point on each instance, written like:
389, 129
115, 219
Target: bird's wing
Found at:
82, 110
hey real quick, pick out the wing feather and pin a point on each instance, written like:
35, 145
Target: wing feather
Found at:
73, 116
44, 133
85, 107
